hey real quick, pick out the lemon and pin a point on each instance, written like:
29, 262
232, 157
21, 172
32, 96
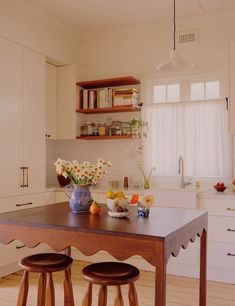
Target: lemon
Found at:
110, 195
120, 194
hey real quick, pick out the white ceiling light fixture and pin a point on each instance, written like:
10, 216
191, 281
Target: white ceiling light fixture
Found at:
175, 61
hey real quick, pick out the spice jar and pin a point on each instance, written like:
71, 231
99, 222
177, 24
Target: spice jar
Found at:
102, 130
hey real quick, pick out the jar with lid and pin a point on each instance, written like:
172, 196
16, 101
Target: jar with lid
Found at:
84, 130
90, 129
102, 130
96, 130
124, 128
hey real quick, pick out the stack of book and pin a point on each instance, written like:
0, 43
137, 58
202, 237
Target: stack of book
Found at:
107, 97
125, 96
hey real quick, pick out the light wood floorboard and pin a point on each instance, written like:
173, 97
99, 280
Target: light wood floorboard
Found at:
181, 291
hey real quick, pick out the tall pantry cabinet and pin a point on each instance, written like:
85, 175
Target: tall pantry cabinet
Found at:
22, 120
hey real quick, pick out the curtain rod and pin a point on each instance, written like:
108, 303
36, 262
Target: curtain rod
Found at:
188, 102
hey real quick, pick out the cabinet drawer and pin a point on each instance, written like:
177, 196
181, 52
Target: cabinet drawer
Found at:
16, 250
218, 207
221, 229
221, 255
27, 201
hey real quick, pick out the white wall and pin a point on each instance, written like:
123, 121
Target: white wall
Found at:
134, 51
30, 27
122, 154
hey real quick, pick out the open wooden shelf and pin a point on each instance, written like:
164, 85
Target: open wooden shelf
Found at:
104, 137
123, 81
115, 109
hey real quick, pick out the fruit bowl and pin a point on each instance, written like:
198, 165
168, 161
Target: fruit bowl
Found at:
220, 187
122, 214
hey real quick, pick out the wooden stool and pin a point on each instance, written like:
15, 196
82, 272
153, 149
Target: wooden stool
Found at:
110, 274
46, 264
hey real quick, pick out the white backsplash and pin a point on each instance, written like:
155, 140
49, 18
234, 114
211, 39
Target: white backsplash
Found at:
122, 154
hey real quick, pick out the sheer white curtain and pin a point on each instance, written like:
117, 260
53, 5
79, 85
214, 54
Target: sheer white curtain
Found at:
196, 130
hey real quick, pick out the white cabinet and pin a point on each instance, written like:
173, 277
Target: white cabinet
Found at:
221, 238
67, 99
34, 121
51, 101
11, 253
11, 117
22, 120
232, 88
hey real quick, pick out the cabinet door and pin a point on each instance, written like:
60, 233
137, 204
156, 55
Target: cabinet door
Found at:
68, 120
34, 120
51, 101
11, 69
232, 89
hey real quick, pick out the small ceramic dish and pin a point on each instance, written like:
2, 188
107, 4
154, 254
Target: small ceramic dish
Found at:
122, 214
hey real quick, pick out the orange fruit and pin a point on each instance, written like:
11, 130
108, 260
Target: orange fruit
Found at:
95, 208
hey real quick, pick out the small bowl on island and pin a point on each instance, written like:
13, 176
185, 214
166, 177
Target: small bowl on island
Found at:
220, 187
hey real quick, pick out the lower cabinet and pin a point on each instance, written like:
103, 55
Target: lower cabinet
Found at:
10, 254
221, 239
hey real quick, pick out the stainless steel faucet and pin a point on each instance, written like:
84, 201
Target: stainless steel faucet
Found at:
181, 171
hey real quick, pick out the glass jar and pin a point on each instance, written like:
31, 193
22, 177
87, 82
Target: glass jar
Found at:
102, 130
96, 130
89, 129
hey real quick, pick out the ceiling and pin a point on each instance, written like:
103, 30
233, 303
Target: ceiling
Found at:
100, 15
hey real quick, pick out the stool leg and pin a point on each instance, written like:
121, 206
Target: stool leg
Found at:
41, 289
68, 289
102, 296
23, 291
88, 297
119, 300
50, 291
133, 300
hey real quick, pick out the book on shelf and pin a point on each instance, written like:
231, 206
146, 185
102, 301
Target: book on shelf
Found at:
107, 97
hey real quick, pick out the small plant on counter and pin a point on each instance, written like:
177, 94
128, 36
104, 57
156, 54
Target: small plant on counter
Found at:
146, 177
144, 207
83, 173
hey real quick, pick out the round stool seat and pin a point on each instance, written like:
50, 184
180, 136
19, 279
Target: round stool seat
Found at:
110, 273
46, 262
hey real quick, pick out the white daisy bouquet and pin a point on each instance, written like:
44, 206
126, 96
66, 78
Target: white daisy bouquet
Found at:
83, 173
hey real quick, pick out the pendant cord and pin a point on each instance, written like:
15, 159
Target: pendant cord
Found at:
174, 25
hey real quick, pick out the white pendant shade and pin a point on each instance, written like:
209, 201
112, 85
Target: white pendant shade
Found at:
175, 61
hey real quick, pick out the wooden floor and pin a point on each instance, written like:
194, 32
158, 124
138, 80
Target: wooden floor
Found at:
180, 290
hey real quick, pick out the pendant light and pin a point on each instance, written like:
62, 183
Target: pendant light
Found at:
175, 61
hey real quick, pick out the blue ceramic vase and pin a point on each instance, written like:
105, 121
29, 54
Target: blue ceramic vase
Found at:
80, 198
143, 212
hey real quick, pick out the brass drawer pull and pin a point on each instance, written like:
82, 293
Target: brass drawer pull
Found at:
27, 176
231, 254
230, 230
23, 185
24, 204
232, 209
18, 247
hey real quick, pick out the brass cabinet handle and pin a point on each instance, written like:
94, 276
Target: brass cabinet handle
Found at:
24, 204
22, 168
20, 247
27, 176
232, 209
231, 254
230, 230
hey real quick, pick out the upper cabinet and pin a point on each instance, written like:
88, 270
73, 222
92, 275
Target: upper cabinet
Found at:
115, 95
232, 88
51, 101
67, 99
22, 120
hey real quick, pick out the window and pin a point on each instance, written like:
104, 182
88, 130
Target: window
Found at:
188, 117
